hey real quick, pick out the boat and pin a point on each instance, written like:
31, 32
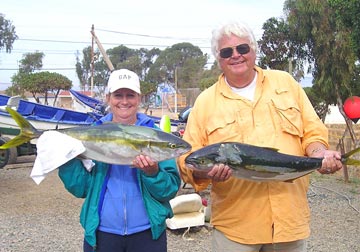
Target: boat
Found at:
45, 117
42, 117
88, 103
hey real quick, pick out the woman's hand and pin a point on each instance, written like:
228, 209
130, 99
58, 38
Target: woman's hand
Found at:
146, 164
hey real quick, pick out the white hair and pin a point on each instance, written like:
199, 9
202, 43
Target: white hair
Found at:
240, 29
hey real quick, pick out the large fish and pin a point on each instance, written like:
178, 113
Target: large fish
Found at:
111, 142
258, 163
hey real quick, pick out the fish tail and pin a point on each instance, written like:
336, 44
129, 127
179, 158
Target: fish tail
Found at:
27, 131
351, 161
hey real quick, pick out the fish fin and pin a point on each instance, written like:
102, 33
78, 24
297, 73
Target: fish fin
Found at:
351, 161
27, 131
16, 141
289, 181
272, 149
236, 160
228, 153
292, 180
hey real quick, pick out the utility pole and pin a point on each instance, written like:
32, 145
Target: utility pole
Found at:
102, 50
92, 63
176, 80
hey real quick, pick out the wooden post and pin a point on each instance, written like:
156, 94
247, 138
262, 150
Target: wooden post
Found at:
92, 63
345, 170
103, 52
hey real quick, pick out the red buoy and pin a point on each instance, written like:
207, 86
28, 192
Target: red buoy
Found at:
352, 108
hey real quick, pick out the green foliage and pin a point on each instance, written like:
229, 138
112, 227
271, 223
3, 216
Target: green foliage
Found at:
347, 12
147, 88
274, 45
278, 51
36, 83
31, 62
207, 82
120, 54
7, 34
318, 103
209, 77
84, 70
184, 61
314, 27
121, 57
42, 83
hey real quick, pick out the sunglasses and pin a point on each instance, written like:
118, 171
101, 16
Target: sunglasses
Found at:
228, 51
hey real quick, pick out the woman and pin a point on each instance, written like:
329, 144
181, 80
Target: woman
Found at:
125, 208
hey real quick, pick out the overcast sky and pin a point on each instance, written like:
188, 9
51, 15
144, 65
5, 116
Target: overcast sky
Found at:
61, 29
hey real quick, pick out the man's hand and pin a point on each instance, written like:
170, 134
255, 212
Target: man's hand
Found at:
220, 172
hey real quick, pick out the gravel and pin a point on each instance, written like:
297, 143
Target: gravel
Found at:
45, 217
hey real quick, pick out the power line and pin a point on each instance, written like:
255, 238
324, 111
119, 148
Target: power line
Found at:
55, 41
47, 51
42, 69
150, 36
104, 43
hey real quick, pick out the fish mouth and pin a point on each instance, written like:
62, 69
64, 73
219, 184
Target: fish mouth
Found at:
191, 166
191, 163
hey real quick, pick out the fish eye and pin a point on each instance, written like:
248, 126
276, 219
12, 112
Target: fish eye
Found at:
172, 145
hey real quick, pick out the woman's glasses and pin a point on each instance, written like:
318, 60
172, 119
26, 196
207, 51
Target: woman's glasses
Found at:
228, 51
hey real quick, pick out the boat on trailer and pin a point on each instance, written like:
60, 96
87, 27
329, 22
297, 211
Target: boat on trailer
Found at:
42, 117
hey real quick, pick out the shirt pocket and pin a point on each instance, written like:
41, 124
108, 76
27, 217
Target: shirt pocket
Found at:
287, 114
220, 128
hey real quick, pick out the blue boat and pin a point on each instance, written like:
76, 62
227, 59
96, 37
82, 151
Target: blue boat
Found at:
41, 117
91, 103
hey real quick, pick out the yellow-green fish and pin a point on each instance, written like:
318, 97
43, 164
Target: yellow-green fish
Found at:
112, 143
258, 163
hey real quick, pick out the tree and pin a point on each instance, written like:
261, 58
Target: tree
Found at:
120, 54
278, 51
43, 83
347, 12
317, 102
186, 59
314, 24
31, 62
209, 76
83, 67
137, 60
84, 70
7, 34
28, 64
37, 83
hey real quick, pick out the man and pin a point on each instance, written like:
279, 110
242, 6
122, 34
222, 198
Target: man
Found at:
265, 108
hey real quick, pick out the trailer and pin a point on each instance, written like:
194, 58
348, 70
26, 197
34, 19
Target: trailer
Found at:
9, 156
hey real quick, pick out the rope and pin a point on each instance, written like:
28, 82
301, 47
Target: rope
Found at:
343, 195
185, 233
